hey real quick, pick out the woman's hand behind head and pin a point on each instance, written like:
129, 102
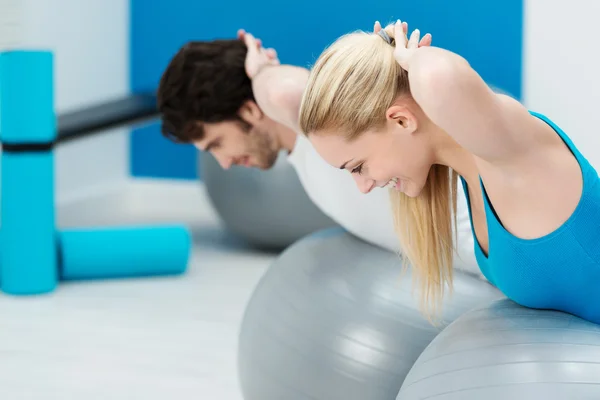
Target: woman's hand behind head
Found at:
425, 41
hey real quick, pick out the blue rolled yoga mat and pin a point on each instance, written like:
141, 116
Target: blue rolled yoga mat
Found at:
27, 129
121, 252
27, 112
28, 259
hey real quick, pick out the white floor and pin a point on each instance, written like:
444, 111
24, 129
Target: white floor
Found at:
159, 338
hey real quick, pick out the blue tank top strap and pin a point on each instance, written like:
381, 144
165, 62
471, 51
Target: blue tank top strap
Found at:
566, 139
495, 227
489, 209
480, 256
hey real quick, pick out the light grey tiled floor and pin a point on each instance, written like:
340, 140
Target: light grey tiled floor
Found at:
159, 338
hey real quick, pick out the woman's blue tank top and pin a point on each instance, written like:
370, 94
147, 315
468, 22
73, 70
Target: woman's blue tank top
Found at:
559, 271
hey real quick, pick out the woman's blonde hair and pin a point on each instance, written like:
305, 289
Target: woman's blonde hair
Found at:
349, 89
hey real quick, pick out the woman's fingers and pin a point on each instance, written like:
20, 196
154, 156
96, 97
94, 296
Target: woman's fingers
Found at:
425, 40
376, 27
402, 38
413, 42
399, 34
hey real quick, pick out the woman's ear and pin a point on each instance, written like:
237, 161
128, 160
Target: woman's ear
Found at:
401, 117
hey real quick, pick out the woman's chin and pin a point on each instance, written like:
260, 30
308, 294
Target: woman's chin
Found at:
410, 190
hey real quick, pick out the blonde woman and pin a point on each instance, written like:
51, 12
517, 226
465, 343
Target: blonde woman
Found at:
416, 119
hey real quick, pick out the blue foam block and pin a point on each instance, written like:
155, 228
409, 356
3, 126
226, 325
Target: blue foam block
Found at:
28, 260
120, 252
27, 97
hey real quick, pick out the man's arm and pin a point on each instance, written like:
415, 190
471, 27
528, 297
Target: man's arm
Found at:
278, 92
277, 88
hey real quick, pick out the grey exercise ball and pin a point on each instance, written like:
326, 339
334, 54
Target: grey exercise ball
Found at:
334, 318
267, 208
505, 352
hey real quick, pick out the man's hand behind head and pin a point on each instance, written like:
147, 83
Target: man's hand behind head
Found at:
257, 57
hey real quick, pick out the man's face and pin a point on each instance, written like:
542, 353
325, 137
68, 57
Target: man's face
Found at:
235, 143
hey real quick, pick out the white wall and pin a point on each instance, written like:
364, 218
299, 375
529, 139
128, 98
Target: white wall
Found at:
561, 74
90, 41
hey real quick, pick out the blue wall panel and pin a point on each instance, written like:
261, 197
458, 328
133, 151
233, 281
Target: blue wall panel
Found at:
487, 33
152, 155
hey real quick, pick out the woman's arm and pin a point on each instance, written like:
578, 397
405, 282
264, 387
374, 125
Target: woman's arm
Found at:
492, 126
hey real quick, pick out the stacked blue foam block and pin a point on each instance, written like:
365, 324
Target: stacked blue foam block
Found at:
34, 255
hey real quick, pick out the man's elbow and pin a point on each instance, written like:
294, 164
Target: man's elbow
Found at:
286, 96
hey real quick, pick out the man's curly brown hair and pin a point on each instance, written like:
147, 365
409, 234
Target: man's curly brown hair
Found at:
205, 82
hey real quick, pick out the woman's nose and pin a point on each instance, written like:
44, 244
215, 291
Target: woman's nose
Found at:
364, 185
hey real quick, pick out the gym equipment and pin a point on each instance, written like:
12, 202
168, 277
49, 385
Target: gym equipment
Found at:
27, 128
123, 252
31, 258
506, 351
268, 209
337, 318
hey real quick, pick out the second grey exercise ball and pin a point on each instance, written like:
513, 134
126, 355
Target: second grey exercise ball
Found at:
508, 352
267, 208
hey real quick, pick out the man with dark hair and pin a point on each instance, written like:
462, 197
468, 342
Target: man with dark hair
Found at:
234, 99
207, 97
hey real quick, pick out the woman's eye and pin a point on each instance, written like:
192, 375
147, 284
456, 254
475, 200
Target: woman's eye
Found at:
357, 170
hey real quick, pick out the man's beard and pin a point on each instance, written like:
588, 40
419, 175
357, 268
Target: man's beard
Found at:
262, 149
